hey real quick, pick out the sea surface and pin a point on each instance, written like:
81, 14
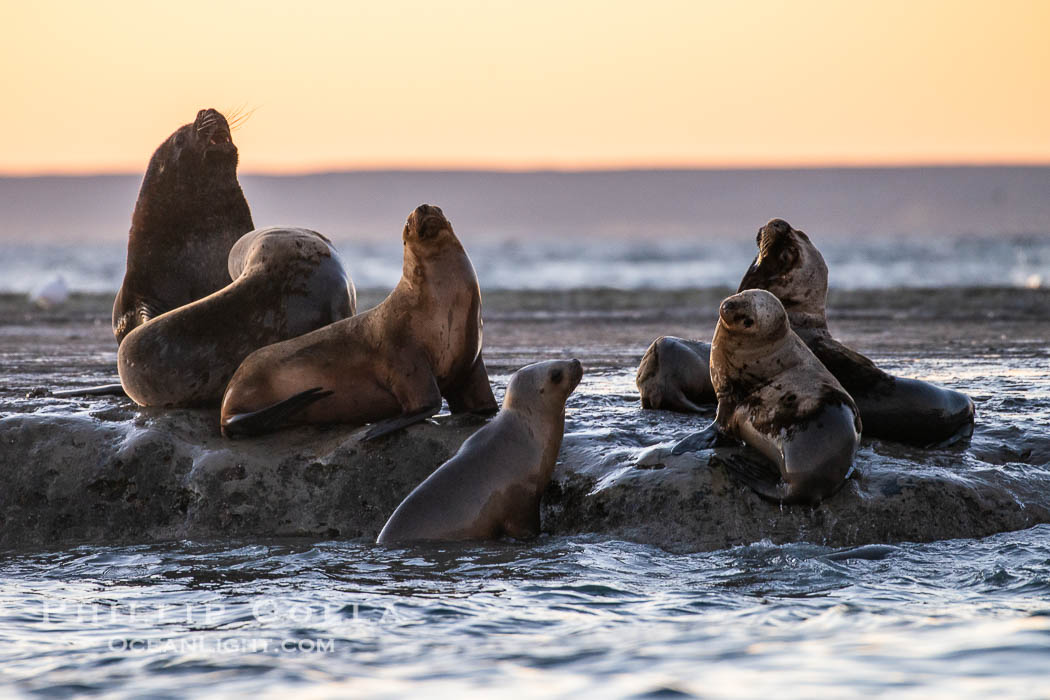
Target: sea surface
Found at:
877, 228
563, 617
921, 291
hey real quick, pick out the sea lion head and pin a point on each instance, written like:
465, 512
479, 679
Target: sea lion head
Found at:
754, 316
791, 267
197, 156
543, 385
427, 230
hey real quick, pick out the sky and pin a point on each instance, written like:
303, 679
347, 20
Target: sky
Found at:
95, 86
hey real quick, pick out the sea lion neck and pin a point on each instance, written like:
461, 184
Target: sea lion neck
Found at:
424, 268
808, 320
168, 209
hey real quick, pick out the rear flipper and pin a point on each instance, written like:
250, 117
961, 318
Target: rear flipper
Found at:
763, 477
271, 418
758, 474
961, 437
711, 436
390, 425
103, 390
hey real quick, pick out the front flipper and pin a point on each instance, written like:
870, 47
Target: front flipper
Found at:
103, 390
473, 392
711, 436
271, 418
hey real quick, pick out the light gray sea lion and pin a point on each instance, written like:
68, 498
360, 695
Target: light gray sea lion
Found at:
674, 375
893, 408
391, 364
776, 396
286, 282
190, 211
492, 486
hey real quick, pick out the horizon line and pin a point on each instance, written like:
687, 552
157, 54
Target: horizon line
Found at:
322, 171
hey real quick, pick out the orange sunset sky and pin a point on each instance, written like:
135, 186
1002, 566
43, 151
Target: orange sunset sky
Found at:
94, 86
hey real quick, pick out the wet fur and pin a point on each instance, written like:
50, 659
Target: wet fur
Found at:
393, 363
906, 410
776, 396
674, 375
287, 282
492, 486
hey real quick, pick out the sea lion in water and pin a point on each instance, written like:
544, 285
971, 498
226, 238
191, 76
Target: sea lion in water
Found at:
492, 486
893, 408
674, 375
776, 396
391, 364
190, 211
287, 281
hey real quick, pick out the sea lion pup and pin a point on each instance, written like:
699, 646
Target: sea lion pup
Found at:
776, 396
286, 282
492, 486
391, 364
190, 211
893, 408
675, 375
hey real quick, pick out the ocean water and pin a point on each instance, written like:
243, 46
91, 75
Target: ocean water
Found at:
559, 617
914, 227
566, 263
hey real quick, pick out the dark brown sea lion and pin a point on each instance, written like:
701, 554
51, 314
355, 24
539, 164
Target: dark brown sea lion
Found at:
492, 486
893, 408
776, 396
286, 282
391, 364
674, 375
190, 211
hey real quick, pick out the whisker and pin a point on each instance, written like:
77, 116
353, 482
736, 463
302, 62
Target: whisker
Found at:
239, 120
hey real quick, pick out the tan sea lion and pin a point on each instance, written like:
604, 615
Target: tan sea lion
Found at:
674, 375
286, 282
776, 396
893, 408
492, 486
391, 364
190, 211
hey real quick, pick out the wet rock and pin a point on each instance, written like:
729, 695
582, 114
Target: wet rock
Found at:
124, 475
168, 475
693, 504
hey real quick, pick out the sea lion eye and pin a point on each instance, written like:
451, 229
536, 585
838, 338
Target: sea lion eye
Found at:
556, 376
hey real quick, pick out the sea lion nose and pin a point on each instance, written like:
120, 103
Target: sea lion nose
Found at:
778, 226
729, 306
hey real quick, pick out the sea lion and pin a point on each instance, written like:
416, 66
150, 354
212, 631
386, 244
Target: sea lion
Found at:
286, 282
391, 364
674, 375
776, 396
190, 211
893, 408
492, 486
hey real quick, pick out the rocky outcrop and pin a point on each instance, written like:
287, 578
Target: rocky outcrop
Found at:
692, 503
123, 475
128, 476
